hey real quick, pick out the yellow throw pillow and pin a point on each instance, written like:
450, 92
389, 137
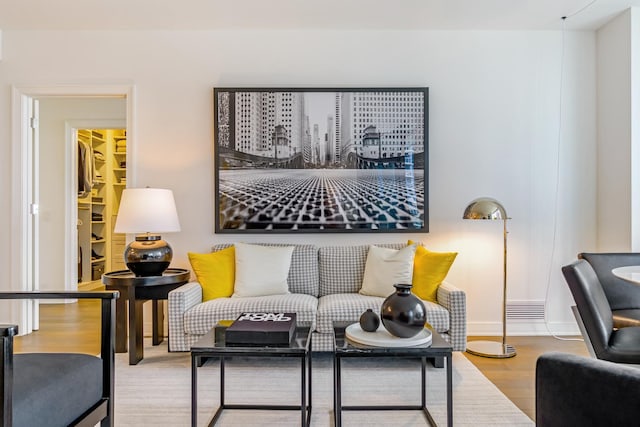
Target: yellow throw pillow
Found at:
216, 272
429, 270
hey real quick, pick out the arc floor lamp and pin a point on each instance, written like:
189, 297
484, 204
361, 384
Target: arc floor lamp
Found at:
490, 209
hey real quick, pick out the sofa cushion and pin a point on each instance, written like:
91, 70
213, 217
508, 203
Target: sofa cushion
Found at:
303, 273
261, 270
215, 272
201, 318
341, 268
385, 268
52, 389
348, 307
429, 270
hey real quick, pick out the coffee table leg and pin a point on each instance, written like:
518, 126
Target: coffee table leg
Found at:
221, 382
194, 391
309, 387
424, 385
158, 321
303, 391
449, 391
337, 387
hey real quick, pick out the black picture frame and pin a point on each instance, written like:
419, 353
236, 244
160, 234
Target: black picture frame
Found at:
308, 160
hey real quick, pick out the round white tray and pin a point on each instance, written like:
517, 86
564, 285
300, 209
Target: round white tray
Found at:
382, 337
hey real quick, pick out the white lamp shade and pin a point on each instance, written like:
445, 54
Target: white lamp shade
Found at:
147, 210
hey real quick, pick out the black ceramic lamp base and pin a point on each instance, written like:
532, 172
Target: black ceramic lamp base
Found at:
147, 269
148, 256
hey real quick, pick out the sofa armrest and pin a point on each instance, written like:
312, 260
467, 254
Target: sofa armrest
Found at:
455, 300
180, 300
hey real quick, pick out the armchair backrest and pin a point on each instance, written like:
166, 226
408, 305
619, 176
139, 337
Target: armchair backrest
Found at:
592, 303
622, 295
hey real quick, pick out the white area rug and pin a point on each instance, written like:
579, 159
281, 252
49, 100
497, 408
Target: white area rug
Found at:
157, 392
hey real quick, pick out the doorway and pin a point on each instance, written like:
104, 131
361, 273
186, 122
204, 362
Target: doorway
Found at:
102, 175
44, 211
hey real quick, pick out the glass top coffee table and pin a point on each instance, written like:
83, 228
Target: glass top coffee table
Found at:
213, 345
439, 348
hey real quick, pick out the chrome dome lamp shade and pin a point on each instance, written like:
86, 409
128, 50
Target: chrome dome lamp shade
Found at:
490, 209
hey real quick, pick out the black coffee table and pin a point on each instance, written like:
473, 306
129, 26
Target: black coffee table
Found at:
214, 345
439, 348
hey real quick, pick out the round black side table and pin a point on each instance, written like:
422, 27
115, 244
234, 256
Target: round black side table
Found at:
136, 291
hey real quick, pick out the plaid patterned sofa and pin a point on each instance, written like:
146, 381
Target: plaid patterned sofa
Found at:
324, 282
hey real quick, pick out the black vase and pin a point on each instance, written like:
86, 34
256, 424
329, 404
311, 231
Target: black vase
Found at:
402, 313
369, 321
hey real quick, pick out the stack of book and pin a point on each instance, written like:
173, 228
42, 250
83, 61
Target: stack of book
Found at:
258, 329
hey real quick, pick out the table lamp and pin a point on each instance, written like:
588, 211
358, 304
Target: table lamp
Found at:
148, 211
490, 209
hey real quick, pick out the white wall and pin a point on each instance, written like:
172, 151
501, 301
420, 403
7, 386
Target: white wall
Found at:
55, 113
614, 134
494, 131
618, 95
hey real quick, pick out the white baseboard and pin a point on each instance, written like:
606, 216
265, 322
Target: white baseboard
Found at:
520, 328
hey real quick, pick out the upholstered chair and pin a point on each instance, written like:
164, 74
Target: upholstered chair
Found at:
579, 391
58, 389
616, 345
623, 296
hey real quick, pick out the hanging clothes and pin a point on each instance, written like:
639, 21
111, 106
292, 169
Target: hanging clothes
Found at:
86, 169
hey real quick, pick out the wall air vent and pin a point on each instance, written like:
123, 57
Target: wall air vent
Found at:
525, 310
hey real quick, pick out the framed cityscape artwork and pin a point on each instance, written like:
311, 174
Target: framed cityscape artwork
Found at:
304, 160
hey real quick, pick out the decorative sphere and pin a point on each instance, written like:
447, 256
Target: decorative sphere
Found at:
369, 321
402, 313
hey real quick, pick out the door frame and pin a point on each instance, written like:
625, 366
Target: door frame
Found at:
22, 173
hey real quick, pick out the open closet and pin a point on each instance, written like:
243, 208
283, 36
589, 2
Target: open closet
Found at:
102, 175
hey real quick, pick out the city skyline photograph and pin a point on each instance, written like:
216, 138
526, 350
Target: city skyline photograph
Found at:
361, 156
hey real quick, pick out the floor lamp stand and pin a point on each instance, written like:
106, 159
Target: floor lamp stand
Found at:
496, 349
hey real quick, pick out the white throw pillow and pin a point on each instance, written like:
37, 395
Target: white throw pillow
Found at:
386, 267
262, 270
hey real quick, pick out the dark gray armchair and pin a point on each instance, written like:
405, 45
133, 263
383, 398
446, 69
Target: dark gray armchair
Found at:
623, 296
583, 392
58, 389
616, 345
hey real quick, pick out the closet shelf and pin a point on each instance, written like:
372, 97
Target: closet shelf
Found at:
97, 215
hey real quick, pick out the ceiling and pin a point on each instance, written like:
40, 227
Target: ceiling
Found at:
308, 14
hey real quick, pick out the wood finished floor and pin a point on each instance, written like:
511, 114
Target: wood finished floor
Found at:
75, 327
